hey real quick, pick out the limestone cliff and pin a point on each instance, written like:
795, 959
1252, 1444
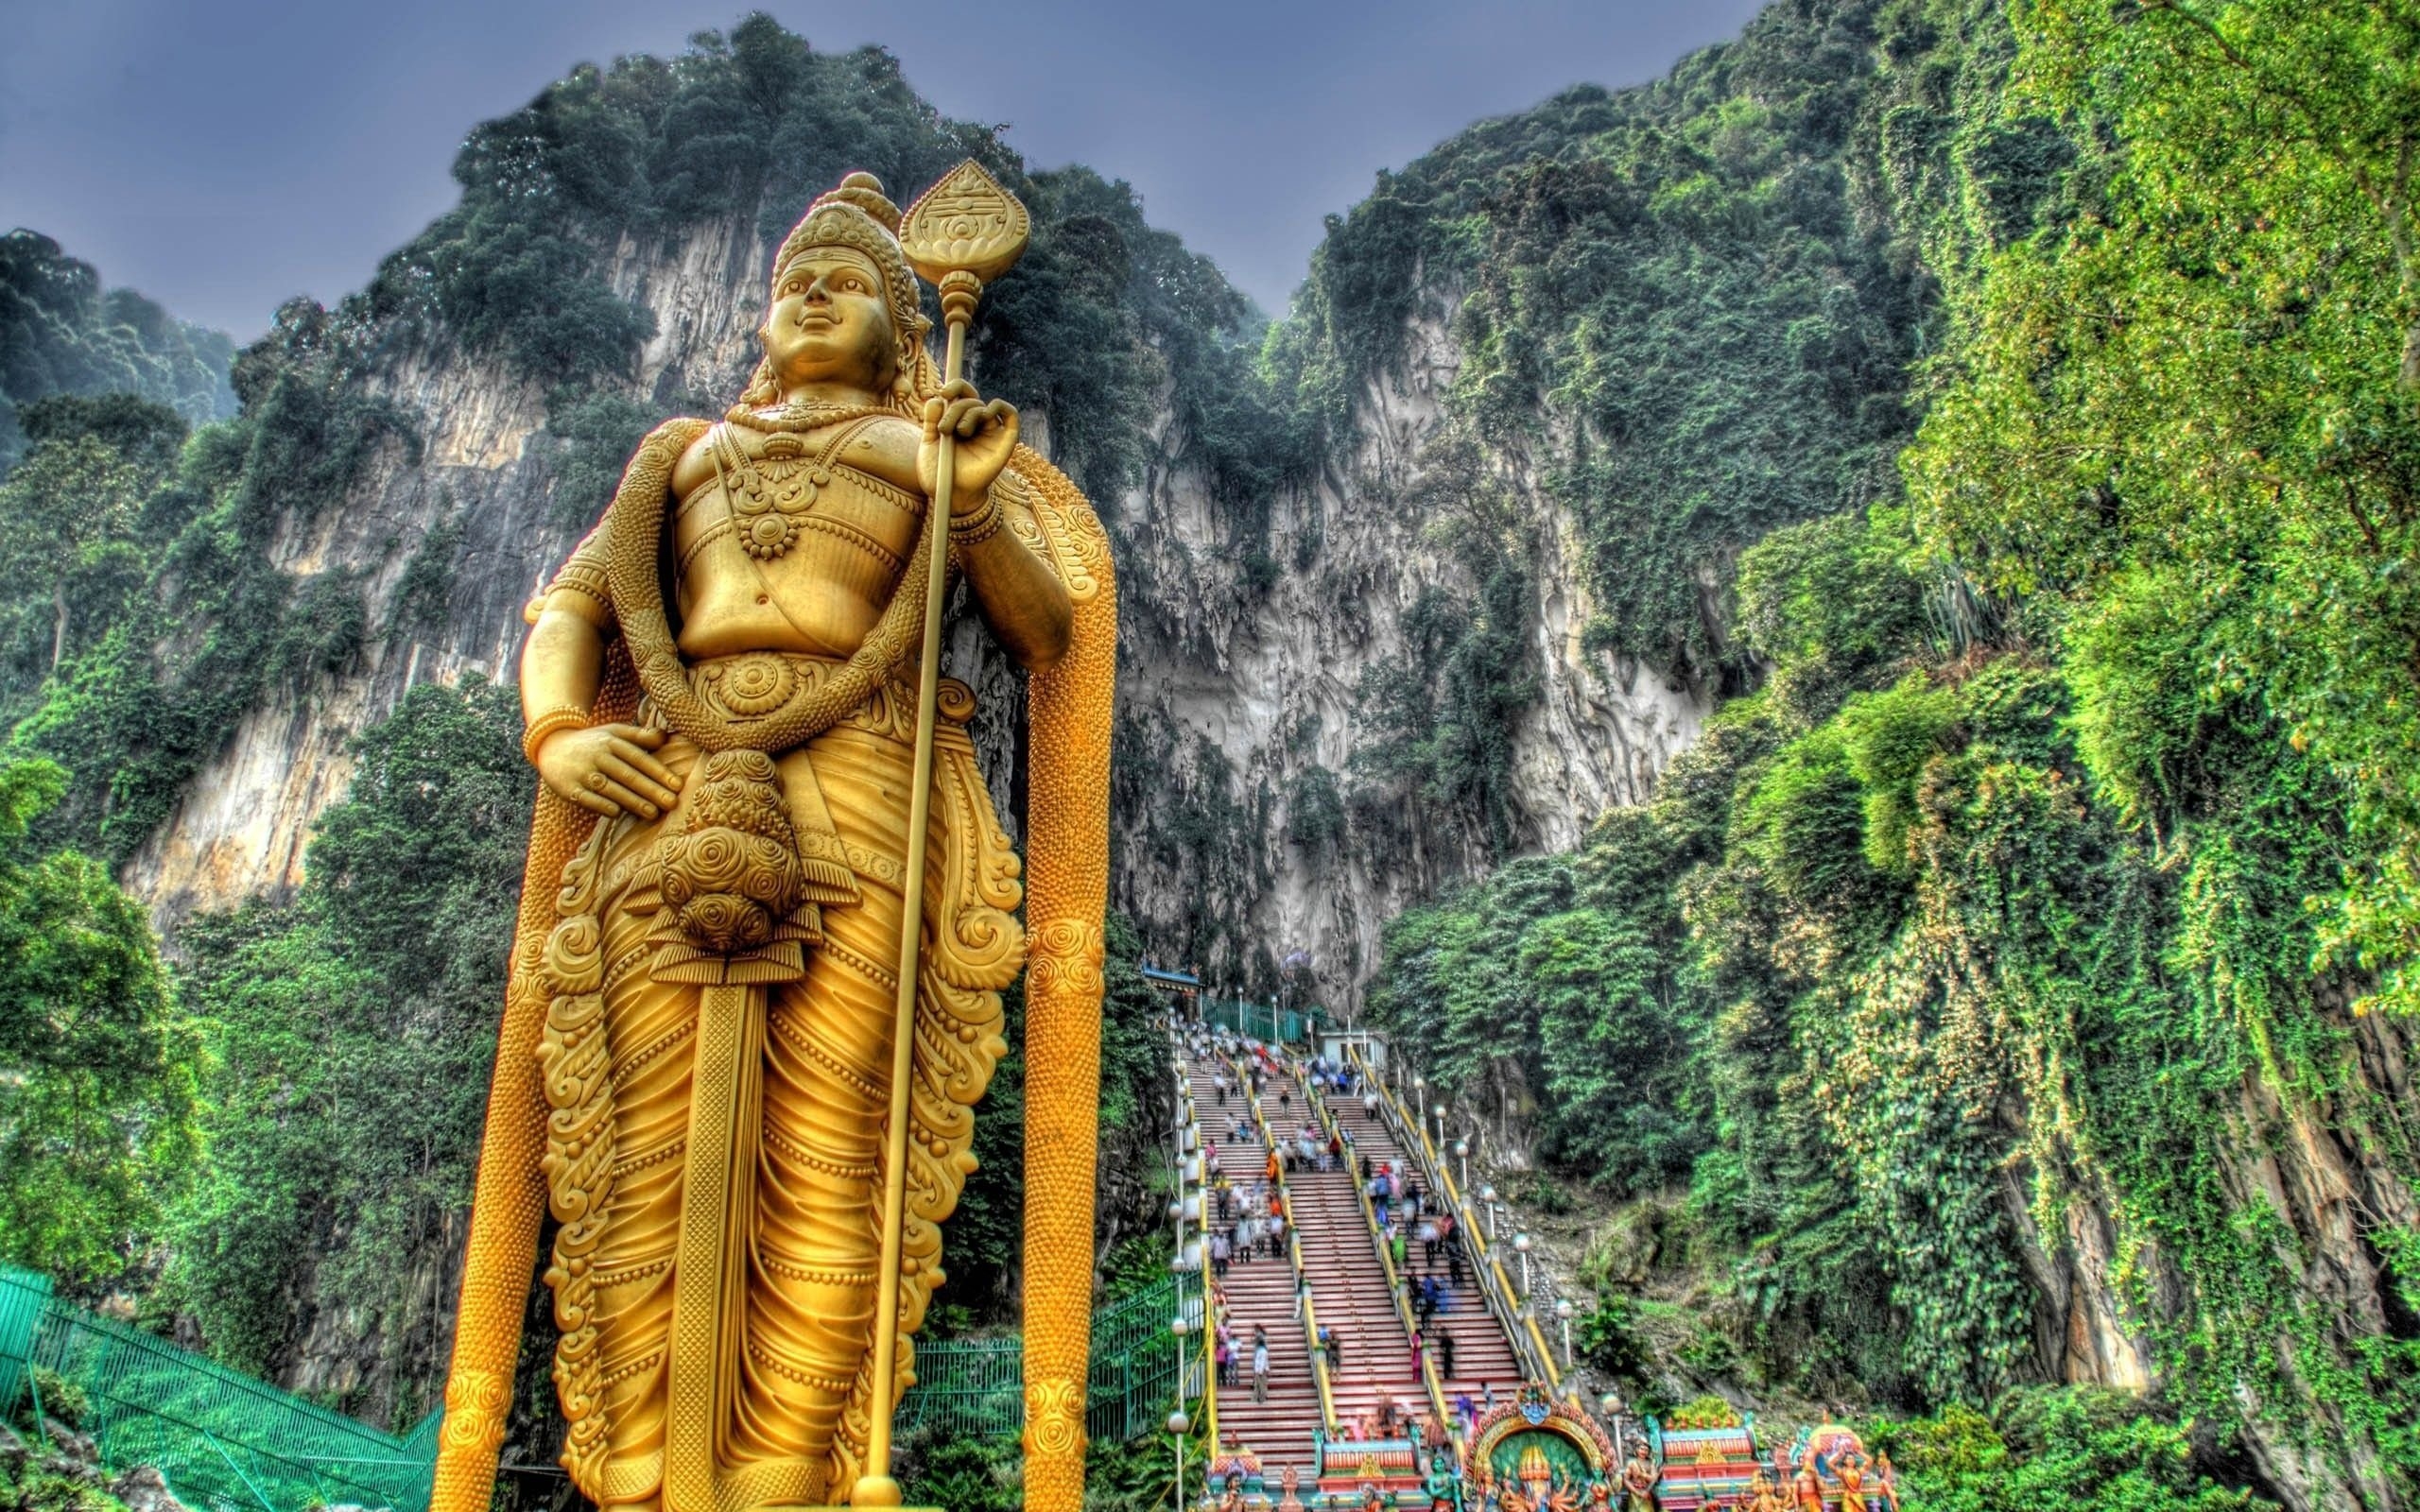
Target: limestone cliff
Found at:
1267, 676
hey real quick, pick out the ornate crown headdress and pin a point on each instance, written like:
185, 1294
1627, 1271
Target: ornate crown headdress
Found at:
860, 216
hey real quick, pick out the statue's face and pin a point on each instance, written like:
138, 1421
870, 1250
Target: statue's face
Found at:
829, 322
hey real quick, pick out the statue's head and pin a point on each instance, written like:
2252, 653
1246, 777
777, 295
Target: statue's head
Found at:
844, 305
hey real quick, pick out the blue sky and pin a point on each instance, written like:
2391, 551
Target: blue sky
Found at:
221, 157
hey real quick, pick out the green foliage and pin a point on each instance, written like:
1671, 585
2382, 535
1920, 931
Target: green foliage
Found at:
2077, 805
62, 333
183, 621
60, 1400
352, 1031
1662, 295
599, 430
2067, 1449
2198, 394
35, 1488
969, 1474
96, 1069
1889, 738
1315, 810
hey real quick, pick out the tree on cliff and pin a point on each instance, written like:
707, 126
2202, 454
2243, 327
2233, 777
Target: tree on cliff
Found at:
96, 1069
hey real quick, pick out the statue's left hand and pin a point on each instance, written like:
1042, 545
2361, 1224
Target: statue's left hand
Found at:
986, 432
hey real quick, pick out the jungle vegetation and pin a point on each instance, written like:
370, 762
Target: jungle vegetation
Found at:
2057, 860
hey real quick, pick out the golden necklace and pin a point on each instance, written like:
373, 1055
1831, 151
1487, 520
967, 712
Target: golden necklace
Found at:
798, 418
769, 493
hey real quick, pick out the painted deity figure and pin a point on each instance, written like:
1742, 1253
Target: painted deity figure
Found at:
1638, 1480
720, 688
1849, 1467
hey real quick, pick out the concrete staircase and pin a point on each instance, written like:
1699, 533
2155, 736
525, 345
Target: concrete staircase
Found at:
1350, 1292
1482, 1356
1259, 1291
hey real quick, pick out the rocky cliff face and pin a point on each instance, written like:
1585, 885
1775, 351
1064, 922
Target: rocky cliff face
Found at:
1231, 690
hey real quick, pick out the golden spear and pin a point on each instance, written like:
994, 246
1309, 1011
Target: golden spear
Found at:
960, 234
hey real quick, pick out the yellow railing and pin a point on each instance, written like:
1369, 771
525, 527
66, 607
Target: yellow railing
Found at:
1396, 1292
1519, 1320
1294, 1255
1191, 1117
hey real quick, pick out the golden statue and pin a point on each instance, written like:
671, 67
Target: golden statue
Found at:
748, 1020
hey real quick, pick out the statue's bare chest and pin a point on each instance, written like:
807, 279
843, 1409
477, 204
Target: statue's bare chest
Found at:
792, 541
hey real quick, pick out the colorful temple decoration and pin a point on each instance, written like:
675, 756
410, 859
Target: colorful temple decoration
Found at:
1829, 1466
1535, 1455
1705, 1456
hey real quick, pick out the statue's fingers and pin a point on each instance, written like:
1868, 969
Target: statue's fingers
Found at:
958, 389
593, 802
646, 762
624, 798
637, 734
634, 780
933, 419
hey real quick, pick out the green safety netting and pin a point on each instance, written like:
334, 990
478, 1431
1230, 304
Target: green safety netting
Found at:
229, 1443
221, 1439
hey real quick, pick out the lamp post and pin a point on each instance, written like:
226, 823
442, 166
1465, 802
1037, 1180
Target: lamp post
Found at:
1521, 1247
1463, 1159
1563, 1316
1420, 1094
1613, 1408
1179, 1424
1487, 1195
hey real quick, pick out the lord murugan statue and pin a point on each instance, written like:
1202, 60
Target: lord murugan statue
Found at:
769, 908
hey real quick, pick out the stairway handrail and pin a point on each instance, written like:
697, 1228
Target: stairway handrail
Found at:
1294, 1254
1397, 1293
1209, 1314
1520, 1321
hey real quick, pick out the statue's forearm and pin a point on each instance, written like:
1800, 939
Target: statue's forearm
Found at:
1025, 603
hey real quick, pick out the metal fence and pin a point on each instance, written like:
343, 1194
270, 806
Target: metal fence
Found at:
1258, 1020
976, 1386
221, 1439
22, 1296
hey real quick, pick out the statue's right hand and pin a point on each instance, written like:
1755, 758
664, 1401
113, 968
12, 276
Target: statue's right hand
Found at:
609, 769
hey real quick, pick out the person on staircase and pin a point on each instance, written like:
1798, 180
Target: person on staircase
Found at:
1446, 1353
1259, 1362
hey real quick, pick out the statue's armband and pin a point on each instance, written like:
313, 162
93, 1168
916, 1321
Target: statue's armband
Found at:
581, 586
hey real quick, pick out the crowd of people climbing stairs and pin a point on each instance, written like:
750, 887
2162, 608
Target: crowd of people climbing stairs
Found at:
1275, 1125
